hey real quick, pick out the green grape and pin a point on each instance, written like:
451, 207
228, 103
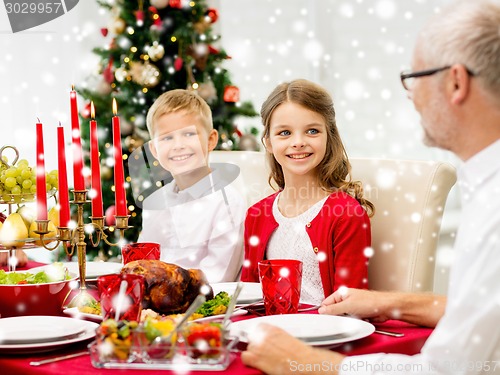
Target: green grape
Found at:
27, 184
10, 182
22, 162
16, 190
47, 186
52, 180
33, 179
26, 174
19, 180
33, 189
11, 172
2, 178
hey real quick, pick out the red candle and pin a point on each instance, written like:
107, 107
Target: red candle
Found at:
41, 187
79, 182
95, 165
63, 179
120, 200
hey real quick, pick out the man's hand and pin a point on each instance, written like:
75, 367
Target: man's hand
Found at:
274, 351
22, 258
417, 308
364, 304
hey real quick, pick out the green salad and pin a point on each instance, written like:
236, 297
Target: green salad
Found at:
56, 272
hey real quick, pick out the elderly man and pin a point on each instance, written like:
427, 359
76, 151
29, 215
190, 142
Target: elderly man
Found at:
455, 87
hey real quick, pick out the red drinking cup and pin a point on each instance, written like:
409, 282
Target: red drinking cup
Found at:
140, 250
281, 281
121, 296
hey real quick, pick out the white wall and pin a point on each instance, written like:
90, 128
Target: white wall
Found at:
355, 48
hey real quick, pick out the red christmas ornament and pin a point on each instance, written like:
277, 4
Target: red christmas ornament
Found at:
213, 14
139, 16
175, 4
238, 132
85, 112
155, 16
109, 215
104, 31
231, 94
212, 50
108, 75
178, 63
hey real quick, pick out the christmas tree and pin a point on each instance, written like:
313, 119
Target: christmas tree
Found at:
156, 46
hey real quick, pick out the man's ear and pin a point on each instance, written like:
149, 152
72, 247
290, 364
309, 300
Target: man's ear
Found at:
213, 138
460, 83
152, 148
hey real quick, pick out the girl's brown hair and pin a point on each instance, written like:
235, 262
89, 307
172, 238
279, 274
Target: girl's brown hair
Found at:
334, 170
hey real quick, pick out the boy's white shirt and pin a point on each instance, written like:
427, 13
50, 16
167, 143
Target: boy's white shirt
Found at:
198, 227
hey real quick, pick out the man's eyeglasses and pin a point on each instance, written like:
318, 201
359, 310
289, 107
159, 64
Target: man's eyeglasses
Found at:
408, 78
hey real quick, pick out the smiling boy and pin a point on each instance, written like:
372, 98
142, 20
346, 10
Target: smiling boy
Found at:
197, 217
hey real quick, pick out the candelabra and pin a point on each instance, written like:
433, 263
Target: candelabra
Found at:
75, 237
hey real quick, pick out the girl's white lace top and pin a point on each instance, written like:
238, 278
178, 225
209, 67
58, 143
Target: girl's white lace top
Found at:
290, 241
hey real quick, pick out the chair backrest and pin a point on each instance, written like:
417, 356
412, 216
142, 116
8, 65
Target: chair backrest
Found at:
254, 172
409, 198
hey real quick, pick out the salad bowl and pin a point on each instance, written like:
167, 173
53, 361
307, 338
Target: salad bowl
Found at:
24, 293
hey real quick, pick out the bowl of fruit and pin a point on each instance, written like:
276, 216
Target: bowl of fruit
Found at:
40, 293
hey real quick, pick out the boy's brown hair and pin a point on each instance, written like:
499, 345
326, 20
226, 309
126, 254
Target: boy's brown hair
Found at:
179, 100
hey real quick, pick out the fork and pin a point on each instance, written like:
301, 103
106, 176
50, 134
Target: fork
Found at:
312, 308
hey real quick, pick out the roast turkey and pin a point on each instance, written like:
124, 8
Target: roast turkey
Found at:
168, 288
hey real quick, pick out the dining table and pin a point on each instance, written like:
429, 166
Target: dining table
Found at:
410, 343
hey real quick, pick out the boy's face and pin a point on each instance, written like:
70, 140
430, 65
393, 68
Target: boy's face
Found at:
181, 142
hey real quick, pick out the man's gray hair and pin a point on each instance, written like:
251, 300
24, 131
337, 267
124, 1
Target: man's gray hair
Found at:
466, 32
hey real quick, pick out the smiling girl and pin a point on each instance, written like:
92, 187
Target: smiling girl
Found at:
318, 216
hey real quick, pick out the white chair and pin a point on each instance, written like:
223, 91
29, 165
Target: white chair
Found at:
409, 198
254, 172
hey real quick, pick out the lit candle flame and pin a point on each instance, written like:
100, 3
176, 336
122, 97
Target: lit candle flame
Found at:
115, 107
92, 110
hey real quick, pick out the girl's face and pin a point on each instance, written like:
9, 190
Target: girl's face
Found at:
182, 142
297, 139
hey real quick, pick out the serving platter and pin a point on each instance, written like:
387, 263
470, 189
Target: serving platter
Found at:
75, 313
251, 292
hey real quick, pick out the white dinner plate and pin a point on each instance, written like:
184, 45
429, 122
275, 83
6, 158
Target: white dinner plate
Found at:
88, 333
75, 313
251, 292
92, 269
316, 330
37, 329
